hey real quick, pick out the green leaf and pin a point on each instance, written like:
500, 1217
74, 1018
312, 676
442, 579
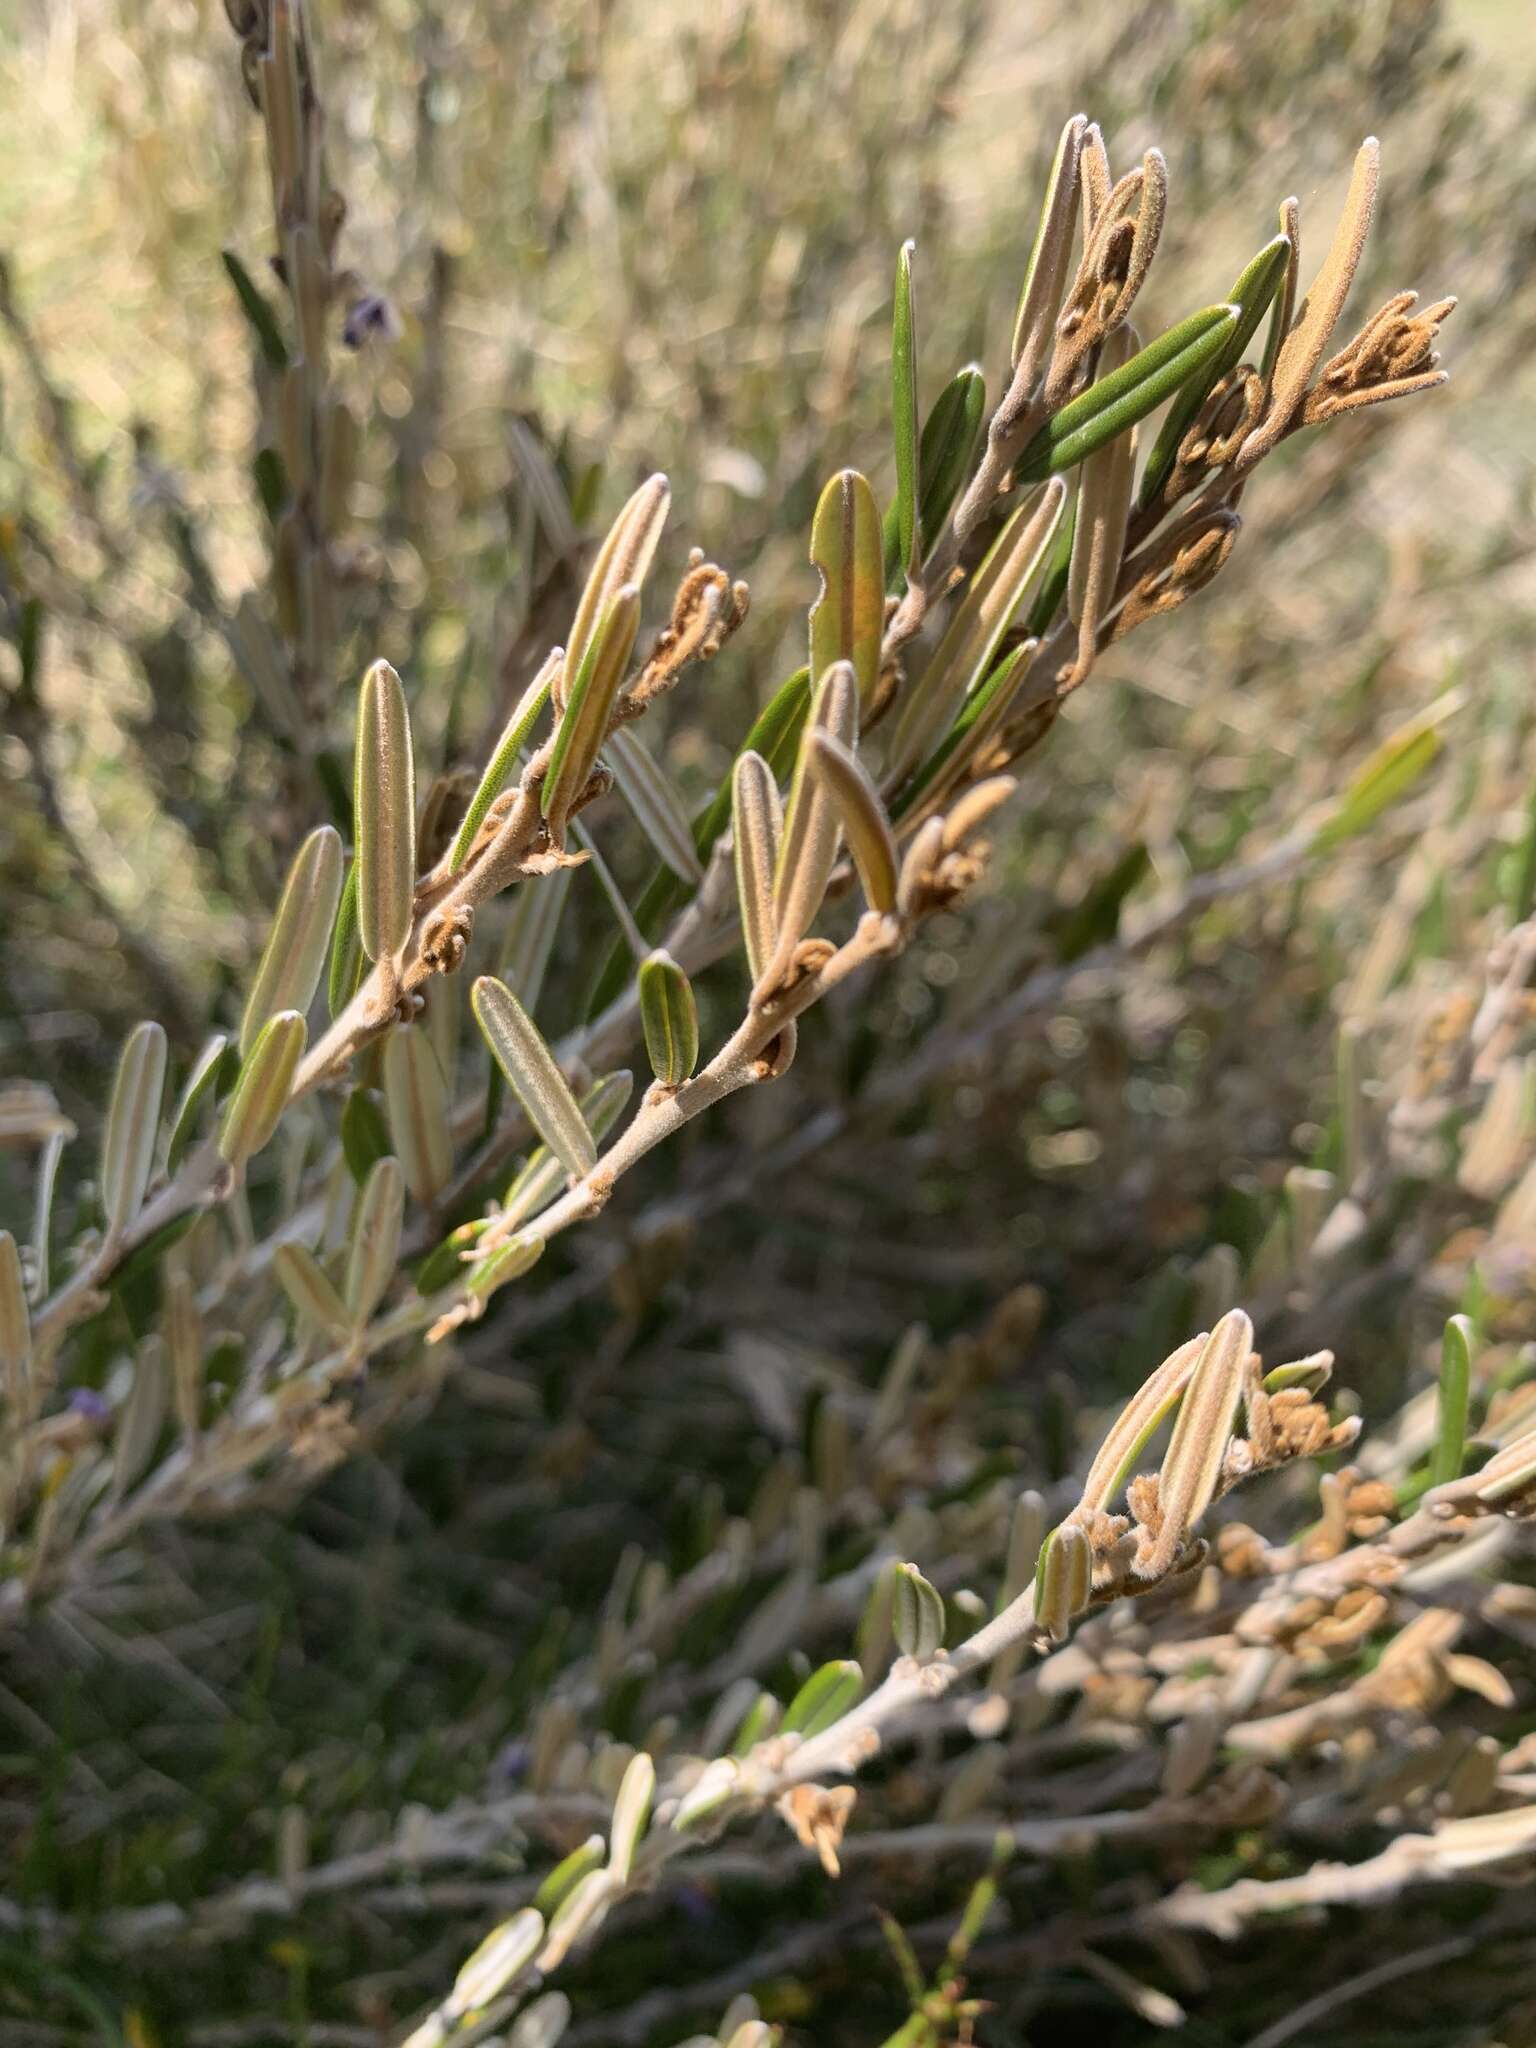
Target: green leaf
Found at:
301, 930
271, 481
775, 734
904, 411
948, 443
364, 1134
258, 311
1390, 772
669, 1018
534, 1075
261, 1092
503, 760
1053, 584
970, 644
133, 1119
1455, 1399
346, 964
1252, 294
1117, 402
213, 1070
917, 1615
848, 619
589, 703
384, 814
986, 707
824, 1698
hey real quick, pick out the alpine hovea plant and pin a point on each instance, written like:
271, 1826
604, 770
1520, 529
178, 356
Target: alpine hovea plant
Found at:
384, 1139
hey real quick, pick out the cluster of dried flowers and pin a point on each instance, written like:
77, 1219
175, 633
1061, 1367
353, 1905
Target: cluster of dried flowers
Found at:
947, 633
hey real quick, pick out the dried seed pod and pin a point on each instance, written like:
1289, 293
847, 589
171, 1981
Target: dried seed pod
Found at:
533, 1074
384, 814
416, 1100
261, 1093
631, 1811
375, 1246
1301, 350
917, 1615
623, 560
592, 694
756, 829
301, 931
309, 1287
848, 618
133, 1120
669, 1018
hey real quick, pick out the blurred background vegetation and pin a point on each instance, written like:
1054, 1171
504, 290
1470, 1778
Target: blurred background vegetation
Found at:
617, 238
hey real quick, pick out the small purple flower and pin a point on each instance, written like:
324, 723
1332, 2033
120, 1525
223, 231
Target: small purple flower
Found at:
514, 1760
370, 318
86, 1401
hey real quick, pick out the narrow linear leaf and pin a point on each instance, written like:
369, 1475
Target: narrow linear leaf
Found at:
212, 1071
589, 706
416, 1102
775, 734
865, 824
1389, 773
848, 618
308, 1286
1117, 402
345, 971
651, 798
808, 849
533, 1074
496, 1964
509, 1261
824, 1698
498, 770
261, 1092
301, 931
364, 1134
15, 1332
1192, 1466
258, 311
384, 813
969, 646
631, 1811
375, 1243
1455, 1400
623, 561
541, 1177
669, 1018
917, 1615
756, 831
133, 1119
904, 411
981, 719
1045, 278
